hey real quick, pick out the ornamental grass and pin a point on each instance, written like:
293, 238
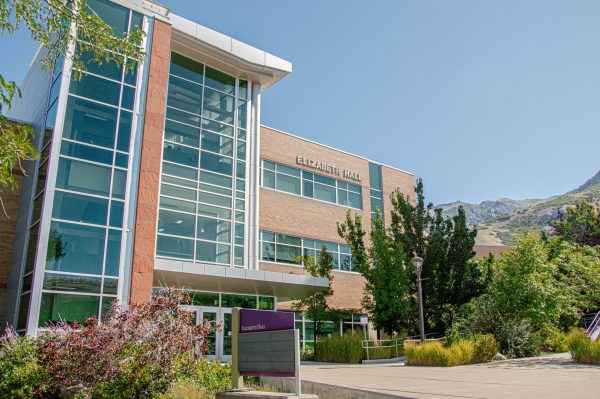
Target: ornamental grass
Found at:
583, 349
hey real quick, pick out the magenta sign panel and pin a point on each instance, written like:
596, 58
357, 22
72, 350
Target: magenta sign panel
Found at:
265, 320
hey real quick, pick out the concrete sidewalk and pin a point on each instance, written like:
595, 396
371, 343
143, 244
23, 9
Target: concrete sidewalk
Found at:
554, 376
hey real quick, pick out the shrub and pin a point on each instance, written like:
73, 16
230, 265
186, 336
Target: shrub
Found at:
484, 348
481, 348
517, 339
551, 339
341, 349
186, 389
582, 348
212, 375
307, 353
23, 375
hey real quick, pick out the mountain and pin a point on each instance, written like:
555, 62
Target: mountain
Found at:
498, 221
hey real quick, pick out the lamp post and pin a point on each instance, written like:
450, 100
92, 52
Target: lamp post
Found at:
418, 264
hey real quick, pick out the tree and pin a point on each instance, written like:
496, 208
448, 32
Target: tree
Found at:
315, 306
50, 23
580, 224
450, 275
389, 295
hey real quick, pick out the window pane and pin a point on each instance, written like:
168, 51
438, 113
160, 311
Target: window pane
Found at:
181, 171
179, 224
287, 170
308, 188
217, 143
324, 193
174, 247
113, 253
75, 248
179, 182
212, 178
242, 113
64, 307
355, 200
288, 184
178, 192
219, 80
90, 123
180, 133
216, 163
186, 68
86, 152
212, 252
183, 117
79, 208
110, 286
325, 180
215, 189
127, 97
214, 229
238, 258
96, 88
266, 303
23, 312
241, 150
114, 15
214, 211
213, 199
243, 89
71, 283
119, 180
217, 127
106, 68
218, 106
238, 301
239, 234
288, 254
342, 197
180, 154
345, 263
268, 179
268, 251
184, 95
83, 177
291, 240
177, 205
124, 131
116, 214
375, 176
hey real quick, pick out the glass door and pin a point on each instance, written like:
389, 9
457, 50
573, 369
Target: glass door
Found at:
219, 319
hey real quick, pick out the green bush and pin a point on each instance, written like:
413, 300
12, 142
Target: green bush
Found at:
553, 340
22, 373
212, 375
341, 349
583, 349
517, 339
478, 349
186, 389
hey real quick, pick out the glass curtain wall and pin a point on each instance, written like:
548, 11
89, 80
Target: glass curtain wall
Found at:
376, 189
202, 205
283, 248
311, 185
82, 263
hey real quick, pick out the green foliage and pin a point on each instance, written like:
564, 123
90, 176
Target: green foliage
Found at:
315, 306
580, 224
389, 290
583, 349
186, 389
307, 353
485, 347
49, 23
212, 376
23, 375
537, 290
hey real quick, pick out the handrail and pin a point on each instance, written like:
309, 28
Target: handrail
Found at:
378, 344
590, 330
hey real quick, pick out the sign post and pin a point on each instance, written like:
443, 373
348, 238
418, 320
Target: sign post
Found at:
264, 343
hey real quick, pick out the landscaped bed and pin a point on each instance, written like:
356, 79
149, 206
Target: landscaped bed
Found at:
477, 349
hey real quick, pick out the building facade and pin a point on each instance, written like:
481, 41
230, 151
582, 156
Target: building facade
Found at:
165, 177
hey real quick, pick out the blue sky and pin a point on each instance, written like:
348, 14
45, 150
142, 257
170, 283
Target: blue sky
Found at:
482, 99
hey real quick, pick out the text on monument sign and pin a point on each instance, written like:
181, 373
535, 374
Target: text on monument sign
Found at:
327, 168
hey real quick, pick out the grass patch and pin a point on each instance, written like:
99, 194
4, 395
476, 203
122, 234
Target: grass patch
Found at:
583, 349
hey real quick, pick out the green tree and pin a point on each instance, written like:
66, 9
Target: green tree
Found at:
450, 275
50, 23
389, 294
580, 224
315, 306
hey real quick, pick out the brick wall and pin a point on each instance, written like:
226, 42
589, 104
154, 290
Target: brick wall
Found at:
152, 141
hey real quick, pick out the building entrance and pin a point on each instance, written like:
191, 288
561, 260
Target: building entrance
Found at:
219, 319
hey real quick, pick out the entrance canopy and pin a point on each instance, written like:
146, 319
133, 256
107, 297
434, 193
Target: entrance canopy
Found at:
204, 277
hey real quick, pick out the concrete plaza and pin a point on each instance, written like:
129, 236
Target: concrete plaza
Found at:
553, 376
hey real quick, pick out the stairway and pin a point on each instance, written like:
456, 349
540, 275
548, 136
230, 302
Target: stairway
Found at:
593, 329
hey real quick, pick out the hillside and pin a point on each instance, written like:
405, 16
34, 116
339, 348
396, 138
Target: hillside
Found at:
498, 221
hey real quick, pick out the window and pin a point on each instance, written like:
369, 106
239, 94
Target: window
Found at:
75, 248
289, 249
301, 182
376, 188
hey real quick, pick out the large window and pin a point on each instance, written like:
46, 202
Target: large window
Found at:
311, 185
84, 244
203, 181
283, 248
